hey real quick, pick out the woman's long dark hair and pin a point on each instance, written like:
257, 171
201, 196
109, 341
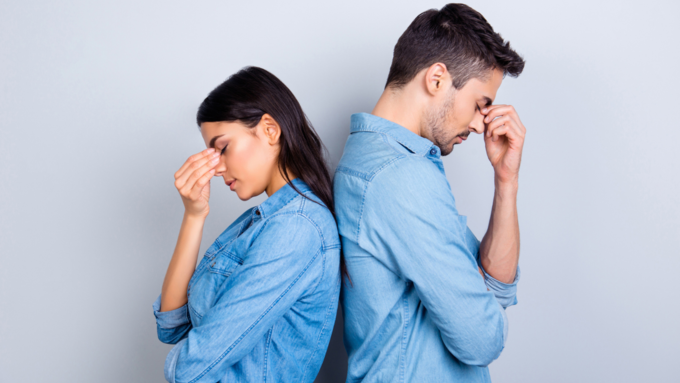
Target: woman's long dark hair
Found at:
250, 93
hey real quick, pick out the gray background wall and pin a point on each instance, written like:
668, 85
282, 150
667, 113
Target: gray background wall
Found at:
97, 106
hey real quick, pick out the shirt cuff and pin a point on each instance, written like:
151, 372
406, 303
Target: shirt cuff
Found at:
506, 293
171, 361
170, 319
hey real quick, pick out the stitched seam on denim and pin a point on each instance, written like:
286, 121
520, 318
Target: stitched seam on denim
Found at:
386, 164
226, 272
363, 196
361, 211
352, 172
318, 230
323, 250
266, 352
289, 200
302, 205
323, 271
199, 316
404, 332
389, 144
265, 222
221, 246
199, 270
174, 326
325, 323
247, 331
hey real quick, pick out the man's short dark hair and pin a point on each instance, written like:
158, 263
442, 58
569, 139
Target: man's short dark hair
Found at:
457, 36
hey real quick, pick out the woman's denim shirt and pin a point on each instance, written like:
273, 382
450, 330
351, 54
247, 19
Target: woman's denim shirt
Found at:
262, 301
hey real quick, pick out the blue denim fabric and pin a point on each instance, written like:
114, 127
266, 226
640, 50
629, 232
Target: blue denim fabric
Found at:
263, 300
417, 310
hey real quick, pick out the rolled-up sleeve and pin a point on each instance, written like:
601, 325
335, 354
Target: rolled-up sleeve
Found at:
171, 325
505, 293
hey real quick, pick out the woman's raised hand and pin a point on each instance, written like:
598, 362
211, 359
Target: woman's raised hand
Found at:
192, 181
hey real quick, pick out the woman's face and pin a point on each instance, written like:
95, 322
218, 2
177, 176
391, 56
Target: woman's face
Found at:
249, 156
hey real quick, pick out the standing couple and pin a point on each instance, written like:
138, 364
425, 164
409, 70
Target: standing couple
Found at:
423, 299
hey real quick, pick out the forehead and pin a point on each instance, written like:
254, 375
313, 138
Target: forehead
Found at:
209, 130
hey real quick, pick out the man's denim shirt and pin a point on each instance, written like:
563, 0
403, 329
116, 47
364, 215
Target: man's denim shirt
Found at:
417, 309
263, 300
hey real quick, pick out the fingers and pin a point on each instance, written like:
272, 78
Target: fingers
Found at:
200, 184
194, 172
498, 116
190, 166
193, 159
504, 126
494, 111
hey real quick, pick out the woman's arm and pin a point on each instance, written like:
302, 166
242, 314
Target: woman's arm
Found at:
182, 264
192, 181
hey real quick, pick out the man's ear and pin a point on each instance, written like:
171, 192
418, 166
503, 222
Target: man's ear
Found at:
271, 129
434, 78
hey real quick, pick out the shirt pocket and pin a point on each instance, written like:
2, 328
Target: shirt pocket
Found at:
205, 288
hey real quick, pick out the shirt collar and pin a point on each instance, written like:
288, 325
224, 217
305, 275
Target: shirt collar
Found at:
366, 122
281, 198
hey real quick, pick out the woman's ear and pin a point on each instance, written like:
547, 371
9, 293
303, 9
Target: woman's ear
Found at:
271, 129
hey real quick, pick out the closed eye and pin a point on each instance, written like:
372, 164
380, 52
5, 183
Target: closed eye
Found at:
224, 149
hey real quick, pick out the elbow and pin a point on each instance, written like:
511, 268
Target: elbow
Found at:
479, 350
171, 336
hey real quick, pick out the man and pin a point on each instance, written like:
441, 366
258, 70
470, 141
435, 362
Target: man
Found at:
426, 300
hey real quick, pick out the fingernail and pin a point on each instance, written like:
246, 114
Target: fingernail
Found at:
216, 155
210, 150
215, 160
484, 110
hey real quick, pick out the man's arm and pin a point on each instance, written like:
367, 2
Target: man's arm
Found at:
504, 140
411, 225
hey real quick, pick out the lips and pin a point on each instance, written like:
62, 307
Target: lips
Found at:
230, 184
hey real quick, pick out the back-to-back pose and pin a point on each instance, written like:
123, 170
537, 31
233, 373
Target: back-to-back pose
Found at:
261, 304
427, 300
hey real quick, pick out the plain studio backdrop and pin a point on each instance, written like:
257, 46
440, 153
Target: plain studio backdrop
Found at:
97, 111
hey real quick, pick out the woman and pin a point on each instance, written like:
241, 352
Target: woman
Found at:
261, 304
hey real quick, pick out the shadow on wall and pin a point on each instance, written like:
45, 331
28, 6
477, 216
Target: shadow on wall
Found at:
334, 368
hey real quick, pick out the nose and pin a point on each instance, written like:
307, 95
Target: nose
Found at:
477, 123
220, 168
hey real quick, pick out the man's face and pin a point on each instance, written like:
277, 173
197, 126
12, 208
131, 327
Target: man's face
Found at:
459, 112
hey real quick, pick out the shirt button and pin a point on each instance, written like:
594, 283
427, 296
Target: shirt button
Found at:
433, 151
257, 212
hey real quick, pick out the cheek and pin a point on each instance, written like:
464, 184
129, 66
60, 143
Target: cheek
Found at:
245, 161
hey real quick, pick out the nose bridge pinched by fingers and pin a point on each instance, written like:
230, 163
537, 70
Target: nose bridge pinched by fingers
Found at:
477, 124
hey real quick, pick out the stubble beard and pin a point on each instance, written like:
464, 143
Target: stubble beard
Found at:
437, 121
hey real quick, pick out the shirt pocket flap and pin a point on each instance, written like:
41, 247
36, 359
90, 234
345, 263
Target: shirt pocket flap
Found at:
224, 264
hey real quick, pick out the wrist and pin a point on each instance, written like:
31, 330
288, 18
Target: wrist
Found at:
195, 218
506, 188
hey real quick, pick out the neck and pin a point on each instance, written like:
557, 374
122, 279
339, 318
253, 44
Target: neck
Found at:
277, 182
402, 106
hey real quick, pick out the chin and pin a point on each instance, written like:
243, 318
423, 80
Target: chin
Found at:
243, 196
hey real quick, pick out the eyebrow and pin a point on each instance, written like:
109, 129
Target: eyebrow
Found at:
488, 101
212, 141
